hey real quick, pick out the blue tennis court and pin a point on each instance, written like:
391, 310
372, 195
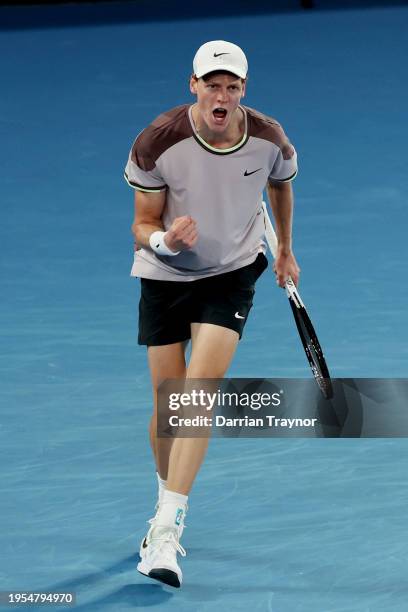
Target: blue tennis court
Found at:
274, 525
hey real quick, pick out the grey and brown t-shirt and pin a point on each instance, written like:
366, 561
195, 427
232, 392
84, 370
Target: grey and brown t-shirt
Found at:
221, 189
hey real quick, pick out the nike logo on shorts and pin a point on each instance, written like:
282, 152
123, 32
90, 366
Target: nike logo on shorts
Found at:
238, 316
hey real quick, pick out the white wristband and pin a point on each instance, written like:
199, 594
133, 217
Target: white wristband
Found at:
158, 245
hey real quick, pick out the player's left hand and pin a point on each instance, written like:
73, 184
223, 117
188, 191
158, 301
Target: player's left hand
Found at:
285, 265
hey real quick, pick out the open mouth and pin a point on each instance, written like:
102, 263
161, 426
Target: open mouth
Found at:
219, 114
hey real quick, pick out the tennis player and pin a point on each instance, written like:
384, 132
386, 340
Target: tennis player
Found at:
199, 171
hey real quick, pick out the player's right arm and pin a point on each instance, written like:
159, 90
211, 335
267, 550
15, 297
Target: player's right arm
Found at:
149, 207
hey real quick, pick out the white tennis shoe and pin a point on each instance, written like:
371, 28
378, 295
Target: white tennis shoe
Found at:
152, 522
159, 558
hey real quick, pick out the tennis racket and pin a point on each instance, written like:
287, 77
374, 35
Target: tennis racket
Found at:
304, 325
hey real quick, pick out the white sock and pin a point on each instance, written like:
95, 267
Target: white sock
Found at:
173, 507
162, 487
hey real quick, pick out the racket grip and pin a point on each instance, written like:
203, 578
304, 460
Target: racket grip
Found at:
292, 292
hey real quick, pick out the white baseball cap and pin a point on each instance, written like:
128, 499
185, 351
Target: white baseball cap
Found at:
220, 55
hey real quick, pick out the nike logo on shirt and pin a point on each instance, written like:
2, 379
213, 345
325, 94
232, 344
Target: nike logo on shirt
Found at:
246, 173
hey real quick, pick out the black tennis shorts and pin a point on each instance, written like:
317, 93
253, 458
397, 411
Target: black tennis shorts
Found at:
167, 308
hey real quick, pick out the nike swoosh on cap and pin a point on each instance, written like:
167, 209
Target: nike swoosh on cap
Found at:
218, 54
238, 316
246, 173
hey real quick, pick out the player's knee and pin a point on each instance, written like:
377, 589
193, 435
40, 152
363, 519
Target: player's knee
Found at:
206, 372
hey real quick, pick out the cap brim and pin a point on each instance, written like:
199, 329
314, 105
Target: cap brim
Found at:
221, 68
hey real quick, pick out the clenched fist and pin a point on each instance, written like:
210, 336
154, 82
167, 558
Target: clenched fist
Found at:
182, 234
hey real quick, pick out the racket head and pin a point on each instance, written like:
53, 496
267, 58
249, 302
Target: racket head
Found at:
312, 348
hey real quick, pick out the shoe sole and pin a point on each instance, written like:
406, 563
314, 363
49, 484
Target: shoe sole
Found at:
163, 575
